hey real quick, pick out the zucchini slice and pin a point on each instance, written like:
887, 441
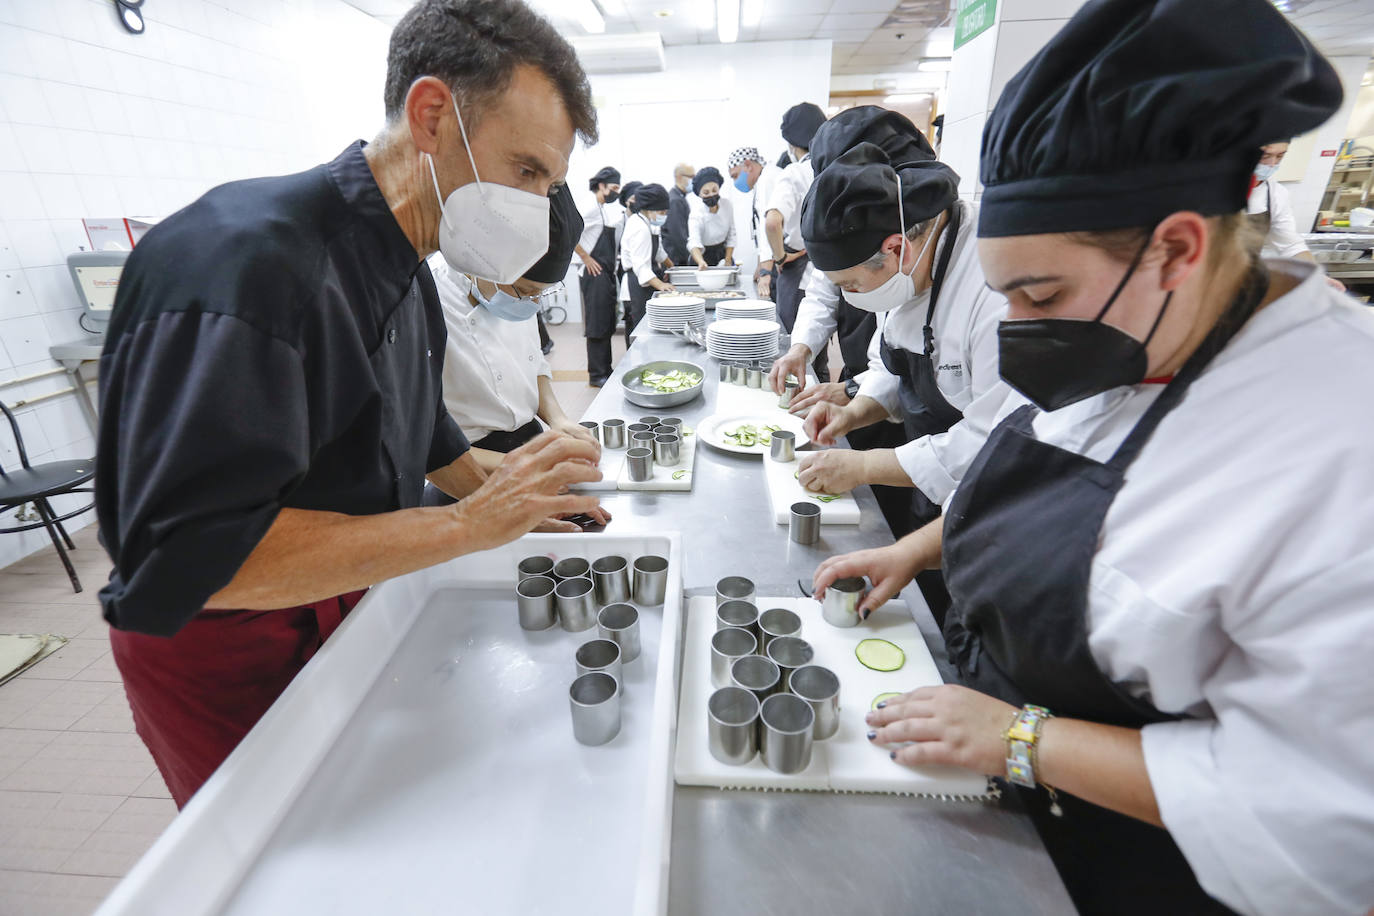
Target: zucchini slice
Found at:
880, 655
882, 698
678, 475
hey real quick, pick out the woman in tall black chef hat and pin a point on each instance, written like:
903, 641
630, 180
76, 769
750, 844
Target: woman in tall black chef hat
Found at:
1162, 561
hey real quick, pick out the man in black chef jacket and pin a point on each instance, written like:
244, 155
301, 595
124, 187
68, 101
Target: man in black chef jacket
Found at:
271, 397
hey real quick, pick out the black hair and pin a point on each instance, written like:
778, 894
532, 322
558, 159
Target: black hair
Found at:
474, 46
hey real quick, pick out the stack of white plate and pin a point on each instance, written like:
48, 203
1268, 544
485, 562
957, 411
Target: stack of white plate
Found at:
672, 313
745, 308
742, 338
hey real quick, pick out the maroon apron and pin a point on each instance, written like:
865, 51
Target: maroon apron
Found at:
196, 694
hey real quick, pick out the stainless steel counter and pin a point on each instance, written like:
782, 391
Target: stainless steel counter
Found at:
755, 852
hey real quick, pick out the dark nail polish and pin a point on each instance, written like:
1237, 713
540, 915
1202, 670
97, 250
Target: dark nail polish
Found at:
872, 735
880, 705
893, 755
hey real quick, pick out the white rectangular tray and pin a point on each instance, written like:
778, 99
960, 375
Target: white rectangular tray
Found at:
846, 762
423, 762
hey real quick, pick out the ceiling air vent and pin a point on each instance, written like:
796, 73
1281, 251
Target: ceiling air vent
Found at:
634, 52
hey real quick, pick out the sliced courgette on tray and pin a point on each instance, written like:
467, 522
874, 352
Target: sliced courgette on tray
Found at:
880, 655
883, 698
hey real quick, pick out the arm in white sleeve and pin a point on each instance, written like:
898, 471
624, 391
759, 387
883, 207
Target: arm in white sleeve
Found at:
1283, 239
728, 209
786, 196
637, 247
817, 313
937, 463
1270, 799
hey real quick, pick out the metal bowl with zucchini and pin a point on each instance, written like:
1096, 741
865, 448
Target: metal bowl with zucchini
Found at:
663, 383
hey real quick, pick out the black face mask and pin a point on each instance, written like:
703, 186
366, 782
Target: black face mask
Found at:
712, 200
1059, 361
611, 197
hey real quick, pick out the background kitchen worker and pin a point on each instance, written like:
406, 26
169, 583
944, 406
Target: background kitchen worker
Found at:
642, 258
598, 248
786, 255
751, 173
271, 403
711, 225
497, 385
674, 235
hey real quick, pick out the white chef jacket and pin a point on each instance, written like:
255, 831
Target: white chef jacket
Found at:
1283, 240
491, 366
1233, 582
762, 191
786, 198
636, 251
594, 219
965, 355
706, 228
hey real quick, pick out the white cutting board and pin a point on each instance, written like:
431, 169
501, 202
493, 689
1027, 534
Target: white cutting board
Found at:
784, 489
611, 464
846, 762
662, 478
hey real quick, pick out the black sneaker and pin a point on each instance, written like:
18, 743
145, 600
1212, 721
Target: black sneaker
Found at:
547, 348
596, 382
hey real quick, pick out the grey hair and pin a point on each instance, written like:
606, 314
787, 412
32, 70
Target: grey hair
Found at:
912, 234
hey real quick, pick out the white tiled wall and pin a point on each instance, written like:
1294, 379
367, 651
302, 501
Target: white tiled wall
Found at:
97, 122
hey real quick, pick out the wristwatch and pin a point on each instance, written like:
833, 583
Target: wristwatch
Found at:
851, 389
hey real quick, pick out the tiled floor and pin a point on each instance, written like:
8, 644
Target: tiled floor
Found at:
80, 798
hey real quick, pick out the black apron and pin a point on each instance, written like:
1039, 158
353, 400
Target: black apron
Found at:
639, 295
855, 329
713, 254
925, 412
599, 292
1019, 540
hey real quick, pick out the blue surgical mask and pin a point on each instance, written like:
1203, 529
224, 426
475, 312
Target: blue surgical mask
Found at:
505, 306
1265, 172
742, 182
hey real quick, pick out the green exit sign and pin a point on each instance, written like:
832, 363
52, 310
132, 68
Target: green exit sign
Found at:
973, 18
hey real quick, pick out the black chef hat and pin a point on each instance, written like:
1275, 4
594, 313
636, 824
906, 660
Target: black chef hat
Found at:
800, 122
565, 228
891, 131
852, 205
607, 175
628, 190
1141, 108
651, 197
706, 176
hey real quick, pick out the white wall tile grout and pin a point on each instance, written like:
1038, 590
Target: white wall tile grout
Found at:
95, 122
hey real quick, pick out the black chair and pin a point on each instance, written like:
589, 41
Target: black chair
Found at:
29, 484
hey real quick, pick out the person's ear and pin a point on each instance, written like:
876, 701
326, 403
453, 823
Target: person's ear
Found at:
893, 244
1183, 240
426, 103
